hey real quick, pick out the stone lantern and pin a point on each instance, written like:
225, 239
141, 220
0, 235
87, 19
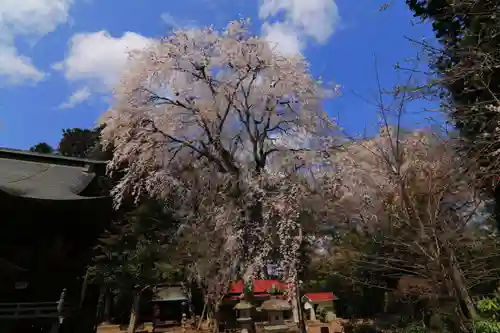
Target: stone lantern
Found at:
244, 309
275, 309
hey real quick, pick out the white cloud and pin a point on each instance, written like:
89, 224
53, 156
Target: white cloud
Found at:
17, 68
176, 23
170, 21
282, 37
97, 60
31, 19
76, 98
314, 19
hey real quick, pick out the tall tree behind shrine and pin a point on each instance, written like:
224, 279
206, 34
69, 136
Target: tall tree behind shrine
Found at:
467, 68
75, 142
42, 147
83, 143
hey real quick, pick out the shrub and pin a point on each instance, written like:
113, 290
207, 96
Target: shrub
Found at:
413, 328
486, 326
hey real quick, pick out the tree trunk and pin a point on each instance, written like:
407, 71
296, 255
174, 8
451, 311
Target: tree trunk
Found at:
458, 284
202, 314
100, 307
216, 317
210, 316
295, 311
463, 293
134, 313
107, 306
460, 287
295, 302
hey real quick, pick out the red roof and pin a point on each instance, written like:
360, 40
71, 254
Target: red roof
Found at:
259, 286
320, 297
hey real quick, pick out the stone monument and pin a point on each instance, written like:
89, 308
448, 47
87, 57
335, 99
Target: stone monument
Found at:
275, 309
244, 309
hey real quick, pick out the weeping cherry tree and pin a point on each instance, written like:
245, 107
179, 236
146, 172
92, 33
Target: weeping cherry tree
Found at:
225, 128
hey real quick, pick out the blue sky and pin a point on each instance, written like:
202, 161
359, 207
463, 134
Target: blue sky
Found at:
59, 58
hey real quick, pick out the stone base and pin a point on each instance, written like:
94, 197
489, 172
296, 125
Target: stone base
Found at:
244, 320
330, 316
148, 327
276, 328
108, 328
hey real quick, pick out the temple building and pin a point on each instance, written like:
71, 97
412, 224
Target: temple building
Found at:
53, 210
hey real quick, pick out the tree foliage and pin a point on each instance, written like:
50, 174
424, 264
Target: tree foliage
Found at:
231, 136
223, 122
134, 252
467, 66
78, 142
43, 148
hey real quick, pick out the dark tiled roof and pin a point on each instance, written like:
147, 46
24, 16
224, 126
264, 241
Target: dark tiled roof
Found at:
169, 294
44, 176
19, 154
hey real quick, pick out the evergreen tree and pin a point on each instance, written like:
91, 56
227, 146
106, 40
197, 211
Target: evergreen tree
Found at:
134, 254
468, 69
77, 142
42, 147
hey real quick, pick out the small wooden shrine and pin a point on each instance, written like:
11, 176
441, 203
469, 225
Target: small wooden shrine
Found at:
316, 303
170, 305
266, 305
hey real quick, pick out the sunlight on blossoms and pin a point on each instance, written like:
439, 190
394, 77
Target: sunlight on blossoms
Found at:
233, 128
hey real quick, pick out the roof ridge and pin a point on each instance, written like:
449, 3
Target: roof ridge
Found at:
20, 154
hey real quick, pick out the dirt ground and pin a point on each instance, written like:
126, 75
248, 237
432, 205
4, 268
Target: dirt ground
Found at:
147, 327
386, 324
347, 326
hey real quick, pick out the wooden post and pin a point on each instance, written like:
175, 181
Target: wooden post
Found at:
184, 317
312, 313
60, 311
106, 315
55, 327
85, 285
293, 289
60, 305
386, 302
